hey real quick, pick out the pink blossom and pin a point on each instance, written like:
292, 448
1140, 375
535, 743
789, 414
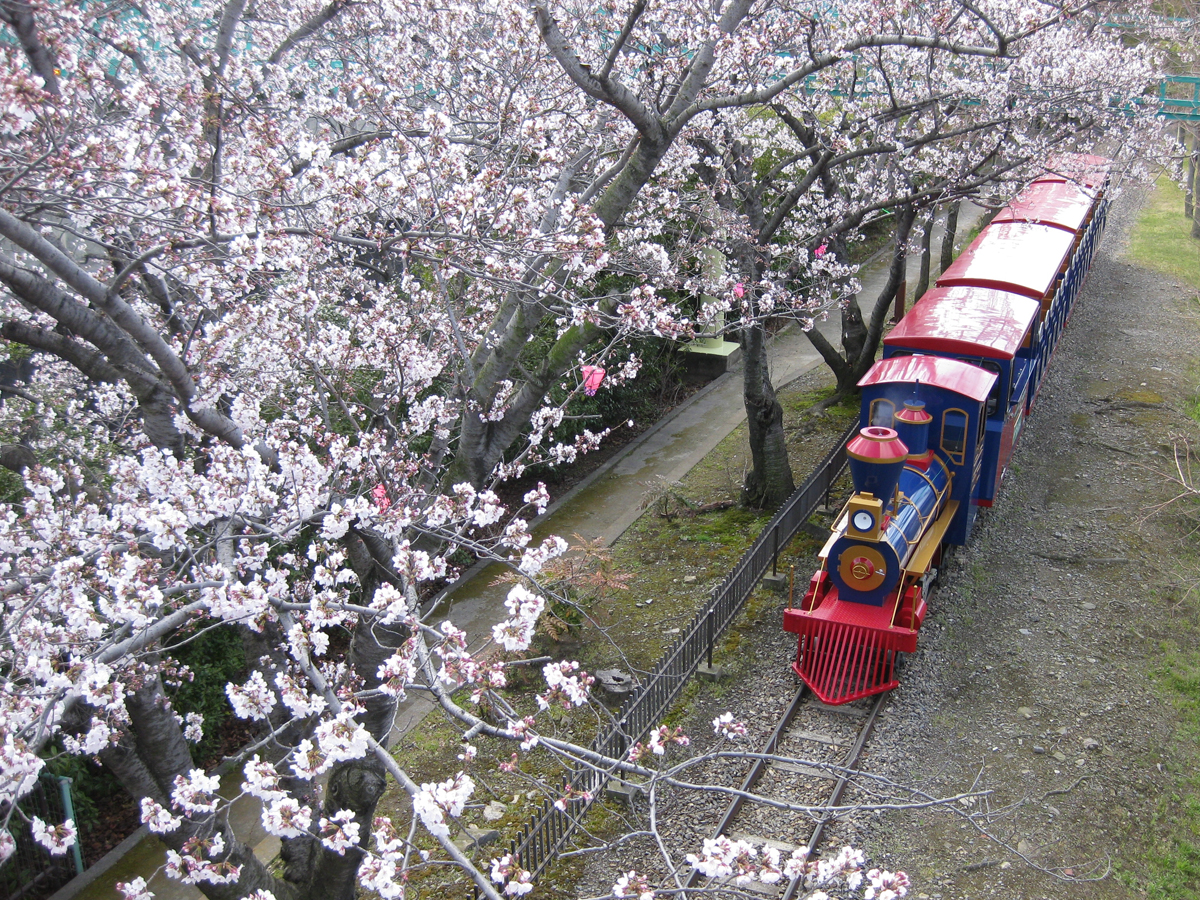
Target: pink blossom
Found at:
58, 839
339, 832
379, 495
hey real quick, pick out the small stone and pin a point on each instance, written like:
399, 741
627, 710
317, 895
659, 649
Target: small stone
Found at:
1006, 865
1087, 605
671, 631
1024, 847
1038, 749
689, 579
1025, 711
1060, 756
1026, 631
481, 837
615, 682
1091, 744
494, 810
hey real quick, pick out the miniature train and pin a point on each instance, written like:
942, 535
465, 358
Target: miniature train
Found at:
941, 415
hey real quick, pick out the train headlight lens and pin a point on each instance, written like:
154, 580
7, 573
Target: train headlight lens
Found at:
863, 520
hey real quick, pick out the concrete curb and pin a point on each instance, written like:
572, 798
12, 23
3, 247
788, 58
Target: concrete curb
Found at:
88, 876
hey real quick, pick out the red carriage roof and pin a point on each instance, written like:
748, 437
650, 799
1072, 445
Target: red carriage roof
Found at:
968, 321
948, 374
1015, 256
1079, 168
1056, 203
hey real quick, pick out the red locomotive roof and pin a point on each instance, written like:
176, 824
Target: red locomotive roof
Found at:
967, 321
1016, 256
1080, 168
948, 374
1056, 203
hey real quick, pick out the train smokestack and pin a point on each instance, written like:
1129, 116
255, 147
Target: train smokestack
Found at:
912, 426
877, 457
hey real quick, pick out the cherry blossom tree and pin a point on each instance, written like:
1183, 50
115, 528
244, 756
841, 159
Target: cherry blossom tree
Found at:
888, 134
286, 286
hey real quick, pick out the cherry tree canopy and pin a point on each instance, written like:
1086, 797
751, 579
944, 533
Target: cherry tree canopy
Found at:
286, 286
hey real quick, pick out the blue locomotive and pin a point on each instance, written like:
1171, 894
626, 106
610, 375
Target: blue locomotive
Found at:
941, 415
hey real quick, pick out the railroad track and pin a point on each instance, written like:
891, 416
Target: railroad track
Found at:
831, 740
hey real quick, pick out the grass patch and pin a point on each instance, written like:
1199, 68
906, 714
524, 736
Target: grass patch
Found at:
1174, 857
1162, 238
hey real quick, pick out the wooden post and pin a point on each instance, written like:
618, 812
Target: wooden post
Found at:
1190, 181
1194, 184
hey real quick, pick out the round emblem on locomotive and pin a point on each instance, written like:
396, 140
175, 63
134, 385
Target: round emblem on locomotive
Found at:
862, 567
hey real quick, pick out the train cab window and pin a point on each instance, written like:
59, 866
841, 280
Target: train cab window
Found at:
993, 400
883, 413
954, 435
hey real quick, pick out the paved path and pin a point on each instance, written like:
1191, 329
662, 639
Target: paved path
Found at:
600, 507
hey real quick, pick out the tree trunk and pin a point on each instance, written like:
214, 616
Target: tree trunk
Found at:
948, 237
1195, 185
148, 758
769, 481
926, 255
854, 331
1189, 186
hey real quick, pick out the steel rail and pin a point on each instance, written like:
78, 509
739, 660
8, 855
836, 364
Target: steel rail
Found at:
756, 770
761, 763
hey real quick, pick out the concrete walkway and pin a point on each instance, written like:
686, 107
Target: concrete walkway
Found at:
601, 507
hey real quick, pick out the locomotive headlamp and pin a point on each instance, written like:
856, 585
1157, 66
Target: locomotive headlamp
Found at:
866, 514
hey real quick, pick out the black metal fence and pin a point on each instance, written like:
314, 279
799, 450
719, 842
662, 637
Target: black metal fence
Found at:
31, 871
547, 832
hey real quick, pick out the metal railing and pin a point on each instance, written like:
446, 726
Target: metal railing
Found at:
547, 831
31, 871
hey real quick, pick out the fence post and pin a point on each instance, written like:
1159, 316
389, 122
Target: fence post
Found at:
64, 786
709, 620
775, 551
